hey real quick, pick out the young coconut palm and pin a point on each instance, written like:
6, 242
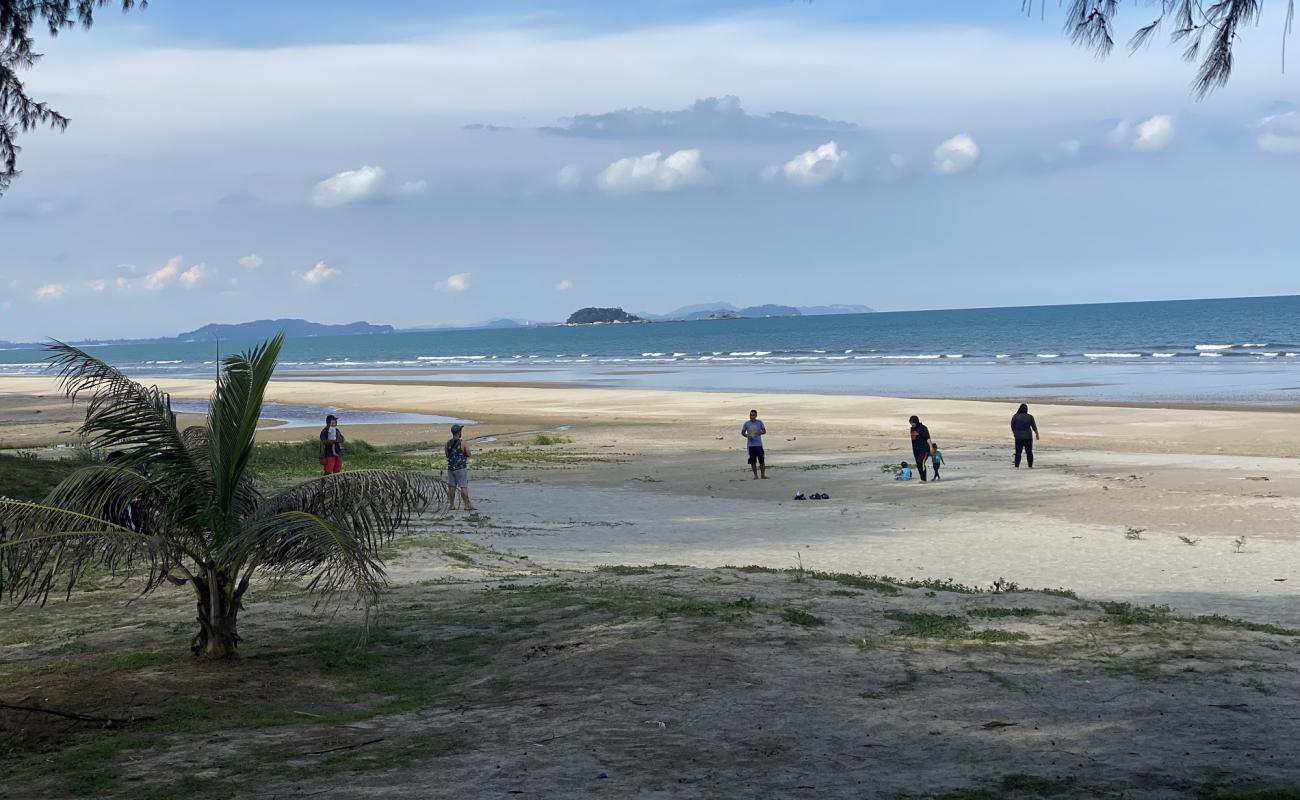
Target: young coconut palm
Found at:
185, 507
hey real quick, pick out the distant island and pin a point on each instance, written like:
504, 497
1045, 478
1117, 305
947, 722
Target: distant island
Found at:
601, 316
721, 310
266, 328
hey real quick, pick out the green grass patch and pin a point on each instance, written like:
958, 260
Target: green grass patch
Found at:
866, 582
689, 607
1129, 614
797, 616
280, 461
30, 479
929, 626
755, 569
998, 613
1217, 621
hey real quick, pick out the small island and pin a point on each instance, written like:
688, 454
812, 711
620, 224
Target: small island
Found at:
601, 316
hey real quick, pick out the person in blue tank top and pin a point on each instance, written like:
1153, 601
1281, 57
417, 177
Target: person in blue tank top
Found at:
753, 431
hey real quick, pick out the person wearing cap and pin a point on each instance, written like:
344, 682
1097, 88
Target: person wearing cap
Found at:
331, 446
458, 469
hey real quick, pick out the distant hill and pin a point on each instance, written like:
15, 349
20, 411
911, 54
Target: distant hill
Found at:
598, 316
492, 323
722, 310
817, 311
265, 328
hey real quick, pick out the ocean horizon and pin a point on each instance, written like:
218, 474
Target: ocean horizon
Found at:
1238, 350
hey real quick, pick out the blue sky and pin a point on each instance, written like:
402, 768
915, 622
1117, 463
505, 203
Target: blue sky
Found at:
484, 159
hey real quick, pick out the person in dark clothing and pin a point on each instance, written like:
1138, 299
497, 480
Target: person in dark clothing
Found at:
920, 445
1025, 430
331, 446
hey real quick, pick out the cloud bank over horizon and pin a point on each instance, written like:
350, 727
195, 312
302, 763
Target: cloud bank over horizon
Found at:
722, 156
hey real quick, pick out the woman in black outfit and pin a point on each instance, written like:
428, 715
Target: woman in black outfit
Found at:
1025, 430
920, 445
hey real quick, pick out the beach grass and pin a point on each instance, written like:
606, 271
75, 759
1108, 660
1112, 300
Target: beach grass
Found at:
29, 479
280, 462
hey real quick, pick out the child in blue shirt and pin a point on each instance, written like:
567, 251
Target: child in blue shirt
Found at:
936, 458
904, 474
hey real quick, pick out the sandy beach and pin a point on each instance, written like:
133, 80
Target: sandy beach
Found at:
1195, 508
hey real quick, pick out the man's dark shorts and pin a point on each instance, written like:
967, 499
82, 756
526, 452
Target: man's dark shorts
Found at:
756, 456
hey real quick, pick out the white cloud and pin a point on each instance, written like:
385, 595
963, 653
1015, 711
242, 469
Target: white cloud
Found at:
160, 278
347, 187
1147, 136
1281, 134
454, 283
564, 285
191, 277
812, 168
412, 188
251, 261
1071, 147
96, 285
955, 155
317, 274
50, 291
569, 177
898, 161
654, 173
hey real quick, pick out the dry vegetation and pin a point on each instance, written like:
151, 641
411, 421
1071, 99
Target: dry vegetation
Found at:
500, 678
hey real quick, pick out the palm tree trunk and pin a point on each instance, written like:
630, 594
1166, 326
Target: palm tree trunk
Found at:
219, 602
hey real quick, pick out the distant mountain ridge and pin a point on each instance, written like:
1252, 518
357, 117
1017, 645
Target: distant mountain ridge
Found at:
265, 328
503, 322
723, 310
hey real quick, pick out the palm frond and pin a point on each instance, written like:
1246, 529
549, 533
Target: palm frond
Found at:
333, 527
122, 414
296, 544
377, 500
42, 548
232, 426
106, 492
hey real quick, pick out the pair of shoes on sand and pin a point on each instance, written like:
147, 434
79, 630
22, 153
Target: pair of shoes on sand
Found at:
813, 496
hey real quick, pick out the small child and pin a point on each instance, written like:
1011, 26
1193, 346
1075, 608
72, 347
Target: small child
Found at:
936, 458
905, 473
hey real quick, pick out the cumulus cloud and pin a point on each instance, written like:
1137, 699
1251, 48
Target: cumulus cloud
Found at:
897, 161
709, 118
1147, 136
50, 291
955, 155
569, 177
191, 277
251, 261
1071, 147
360, 185
564, 285
454, 283
317, 275
159, 279
1280, 134
96, 285
654, 173
812, 168
347, 187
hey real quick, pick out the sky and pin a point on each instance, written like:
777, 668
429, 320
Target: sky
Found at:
389, 162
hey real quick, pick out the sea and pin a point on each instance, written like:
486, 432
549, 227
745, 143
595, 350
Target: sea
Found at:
1223, 351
